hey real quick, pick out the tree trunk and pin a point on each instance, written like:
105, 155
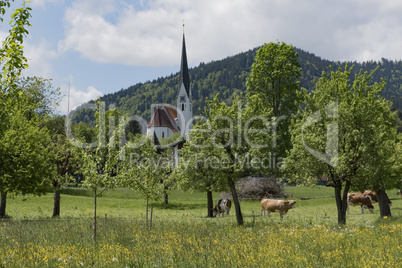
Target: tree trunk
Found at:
341, 202
239, 216
385, 210
210, 204
165, 198
3, 204
56, 203
146, 214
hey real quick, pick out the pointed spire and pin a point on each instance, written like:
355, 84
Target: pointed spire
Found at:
184, 76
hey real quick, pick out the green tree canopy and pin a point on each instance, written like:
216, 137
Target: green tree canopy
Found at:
99, 163
274, 75
65, 158
337, 131
273, 93
144, 170
219, 138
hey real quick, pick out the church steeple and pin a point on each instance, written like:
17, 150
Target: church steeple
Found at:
184, 76
184, 98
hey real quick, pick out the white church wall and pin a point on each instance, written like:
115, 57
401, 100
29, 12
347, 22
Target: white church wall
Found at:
184, 110
161, 132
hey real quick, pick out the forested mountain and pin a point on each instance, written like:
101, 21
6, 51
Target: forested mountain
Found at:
228, 76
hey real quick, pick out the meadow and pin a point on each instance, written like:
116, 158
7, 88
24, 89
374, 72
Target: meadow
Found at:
181, 235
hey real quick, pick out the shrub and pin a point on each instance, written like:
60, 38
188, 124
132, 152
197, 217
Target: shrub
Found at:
258, 188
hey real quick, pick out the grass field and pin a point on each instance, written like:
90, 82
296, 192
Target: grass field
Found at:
181, 235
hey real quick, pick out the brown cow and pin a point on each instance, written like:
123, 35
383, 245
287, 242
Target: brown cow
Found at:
222, 206
272, 205
374, 197
359, 199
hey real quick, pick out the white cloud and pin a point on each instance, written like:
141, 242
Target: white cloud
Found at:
39, 57
136, 38
77, 97
150, 34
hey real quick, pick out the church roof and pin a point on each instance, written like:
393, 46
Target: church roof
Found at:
172, 112
164, 116
184, 76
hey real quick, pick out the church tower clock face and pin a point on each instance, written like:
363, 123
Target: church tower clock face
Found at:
182, 98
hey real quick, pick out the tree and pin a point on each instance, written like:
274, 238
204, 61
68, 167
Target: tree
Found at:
195, 174
40, 92
13, 63
64, 157
25, 163
84, 133
397, 168
167, 159
166, 156
65, 162
133, 128
11, 52
12, 60
273, 79
99, 165
260, 134
220, 138
336, 133
381, 157
32, 107
142, 171
42, 98
97, 176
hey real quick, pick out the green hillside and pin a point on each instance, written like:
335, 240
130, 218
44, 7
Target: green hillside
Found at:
228, 76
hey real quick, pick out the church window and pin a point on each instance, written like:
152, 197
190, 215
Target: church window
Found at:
163, 134
182, 106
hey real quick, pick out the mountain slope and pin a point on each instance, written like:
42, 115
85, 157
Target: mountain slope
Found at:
228, 76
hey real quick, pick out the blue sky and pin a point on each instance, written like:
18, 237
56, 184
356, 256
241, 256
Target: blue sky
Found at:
97, 47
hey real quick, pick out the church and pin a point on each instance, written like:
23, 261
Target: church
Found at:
166, 120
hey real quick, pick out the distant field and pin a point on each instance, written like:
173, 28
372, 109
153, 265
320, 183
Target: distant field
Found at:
313, 204
297, 192
181, 235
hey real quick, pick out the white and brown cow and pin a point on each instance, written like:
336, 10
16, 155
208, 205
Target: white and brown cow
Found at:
374, 197
273, 205
399, 192
222, 206
360, 199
